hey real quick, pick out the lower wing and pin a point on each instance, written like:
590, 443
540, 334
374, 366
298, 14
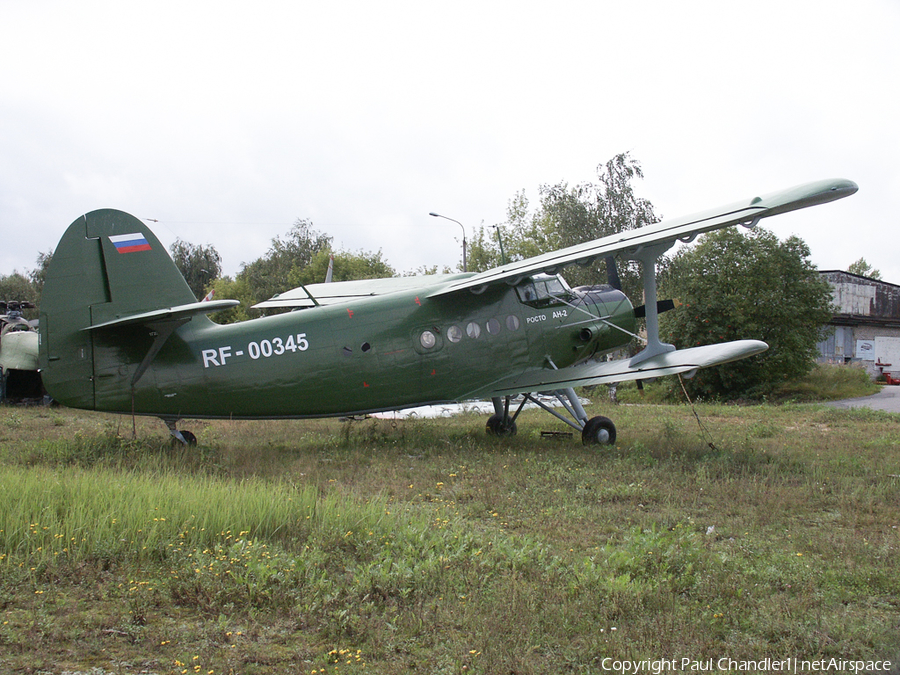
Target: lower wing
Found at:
603, 372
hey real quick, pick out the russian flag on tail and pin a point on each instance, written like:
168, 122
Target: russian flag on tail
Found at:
129, 243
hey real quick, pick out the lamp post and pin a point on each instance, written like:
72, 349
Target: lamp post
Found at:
500, 241
438, 215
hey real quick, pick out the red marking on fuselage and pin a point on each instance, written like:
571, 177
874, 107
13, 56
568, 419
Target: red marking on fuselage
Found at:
350, 312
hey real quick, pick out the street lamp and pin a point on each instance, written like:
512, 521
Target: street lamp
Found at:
500, 241
438, 215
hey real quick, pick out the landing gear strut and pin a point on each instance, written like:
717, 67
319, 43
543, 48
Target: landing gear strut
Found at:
594, 431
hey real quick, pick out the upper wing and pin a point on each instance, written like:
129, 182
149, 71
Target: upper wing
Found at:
669, 231
341, 291
602, 372
629, 242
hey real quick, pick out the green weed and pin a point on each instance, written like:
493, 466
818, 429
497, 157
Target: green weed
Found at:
423, 546
828, 383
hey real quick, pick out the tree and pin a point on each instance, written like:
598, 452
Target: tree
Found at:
37, 275
16, 286
200, 265
521, 236
426, 270
591, 211
299, 259
26, 287
734, 286
268, 275
347, 266
569, 216
864, 269
227, 288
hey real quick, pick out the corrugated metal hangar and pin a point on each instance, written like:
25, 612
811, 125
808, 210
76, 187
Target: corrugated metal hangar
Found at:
866, 327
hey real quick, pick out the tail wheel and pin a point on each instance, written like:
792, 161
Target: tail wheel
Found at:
497, 426
599, 431
187, 438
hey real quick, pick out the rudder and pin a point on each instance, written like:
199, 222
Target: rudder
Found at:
107, 265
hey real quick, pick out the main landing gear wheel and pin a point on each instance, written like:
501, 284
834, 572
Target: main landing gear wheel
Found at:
497, 427
599, 431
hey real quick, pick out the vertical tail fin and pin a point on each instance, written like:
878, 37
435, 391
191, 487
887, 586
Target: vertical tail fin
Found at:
107, 265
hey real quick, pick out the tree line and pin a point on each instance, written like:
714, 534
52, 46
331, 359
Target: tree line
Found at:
732, 284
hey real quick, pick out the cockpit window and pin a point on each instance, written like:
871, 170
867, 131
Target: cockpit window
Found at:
543, 290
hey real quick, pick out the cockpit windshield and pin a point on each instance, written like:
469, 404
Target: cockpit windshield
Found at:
542, 290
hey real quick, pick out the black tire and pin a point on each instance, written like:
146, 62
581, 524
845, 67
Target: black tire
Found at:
599, 431
496, 427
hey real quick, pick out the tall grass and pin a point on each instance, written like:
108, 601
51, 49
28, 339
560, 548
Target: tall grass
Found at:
425, 546
76, 513
828, 382
71, 513
825, 382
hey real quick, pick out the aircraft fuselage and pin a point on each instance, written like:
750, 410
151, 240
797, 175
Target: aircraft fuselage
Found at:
362, 355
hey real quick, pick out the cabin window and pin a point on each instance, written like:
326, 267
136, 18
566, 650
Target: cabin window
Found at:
473, 330
493, 326
454, 333
542, 290
512, 322
427, 339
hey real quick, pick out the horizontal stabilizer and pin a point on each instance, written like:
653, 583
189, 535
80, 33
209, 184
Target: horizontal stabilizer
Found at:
605, 372
168, 314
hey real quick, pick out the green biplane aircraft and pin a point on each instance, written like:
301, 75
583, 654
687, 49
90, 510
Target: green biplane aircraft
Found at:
120, 330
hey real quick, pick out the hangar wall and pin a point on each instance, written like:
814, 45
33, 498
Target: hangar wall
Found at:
866, 326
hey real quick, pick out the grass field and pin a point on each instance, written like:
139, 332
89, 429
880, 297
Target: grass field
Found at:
425, 546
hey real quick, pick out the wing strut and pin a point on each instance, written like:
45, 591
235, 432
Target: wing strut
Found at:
162, 331
573, 407
648, 257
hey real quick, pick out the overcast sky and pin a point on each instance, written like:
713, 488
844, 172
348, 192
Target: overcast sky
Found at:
228, 121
